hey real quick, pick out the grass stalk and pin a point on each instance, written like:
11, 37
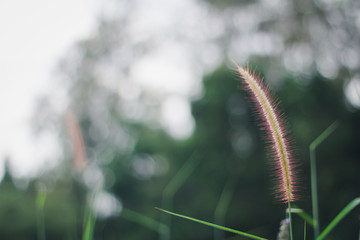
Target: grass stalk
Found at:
222, 207
172, 188
89, 226
40, 221
314, 194
313, 173
89, 221
290, 221
301, 213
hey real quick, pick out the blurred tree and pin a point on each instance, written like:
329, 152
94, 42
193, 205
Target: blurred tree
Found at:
18, 211
306, 37
298, 46
17, 219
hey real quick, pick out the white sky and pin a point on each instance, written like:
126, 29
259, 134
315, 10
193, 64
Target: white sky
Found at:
33, 36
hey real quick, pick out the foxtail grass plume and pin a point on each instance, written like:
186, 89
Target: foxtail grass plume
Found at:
274, 132
77, 140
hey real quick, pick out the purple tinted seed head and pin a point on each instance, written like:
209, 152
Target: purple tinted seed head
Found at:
272, 122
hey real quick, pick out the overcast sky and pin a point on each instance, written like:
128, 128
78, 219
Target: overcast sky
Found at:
33, 36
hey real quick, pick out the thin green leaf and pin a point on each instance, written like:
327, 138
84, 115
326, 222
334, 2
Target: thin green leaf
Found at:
40, 223
303, 215
182, 175
141, 220
306, 217
325, 134
225, 199
90, 220
290, 221
314, 193
213, 225
223, 206
354, 203
172, 188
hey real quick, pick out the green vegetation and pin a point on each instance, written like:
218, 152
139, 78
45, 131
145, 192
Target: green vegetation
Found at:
202, 187
306, 50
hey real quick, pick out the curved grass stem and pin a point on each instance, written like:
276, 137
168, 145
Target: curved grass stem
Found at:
222, 207
171, 189
313, 173
40, 204
290, 221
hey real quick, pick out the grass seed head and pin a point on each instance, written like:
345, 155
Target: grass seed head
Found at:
77, 141
272, 122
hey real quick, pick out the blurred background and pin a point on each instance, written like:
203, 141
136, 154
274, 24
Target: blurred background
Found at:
117, 107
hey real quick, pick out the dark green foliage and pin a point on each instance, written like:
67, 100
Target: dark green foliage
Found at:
226, 135
18, 212
227, 138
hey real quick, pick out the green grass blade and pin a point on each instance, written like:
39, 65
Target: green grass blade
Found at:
89, 224
290, 221
314, 194
213, 225
40, 205
313, 172
172, 188
304, 230
89, 227
306, 217
89, 219
182, 175
325, 134
222, 206
141, 220
354, 203
301, 213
